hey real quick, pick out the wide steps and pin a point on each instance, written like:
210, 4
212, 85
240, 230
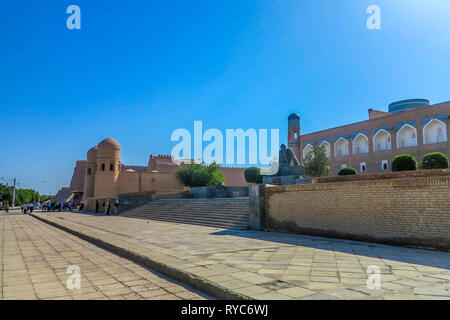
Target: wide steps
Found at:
230, 213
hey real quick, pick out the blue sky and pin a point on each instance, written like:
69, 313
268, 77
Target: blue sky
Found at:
137, 70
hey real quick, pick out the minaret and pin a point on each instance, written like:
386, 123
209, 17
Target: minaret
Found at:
294, 134
108, 169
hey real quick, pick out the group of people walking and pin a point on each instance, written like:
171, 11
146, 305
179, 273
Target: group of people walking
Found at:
27, 208
50, 206
57, 206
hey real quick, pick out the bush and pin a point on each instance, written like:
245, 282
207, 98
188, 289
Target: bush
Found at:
199, 175
435, 160
404, 162
348, 171
253, 175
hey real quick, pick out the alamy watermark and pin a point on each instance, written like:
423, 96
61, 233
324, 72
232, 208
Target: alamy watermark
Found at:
74, 280
74, 20
374, 20
374, 277
190, 146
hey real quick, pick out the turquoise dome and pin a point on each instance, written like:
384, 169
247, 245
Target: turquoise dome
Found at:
406, 105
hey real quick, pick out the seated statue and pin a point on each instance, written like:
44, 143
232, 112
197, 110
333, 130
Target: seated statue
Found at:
285, 169
285, 157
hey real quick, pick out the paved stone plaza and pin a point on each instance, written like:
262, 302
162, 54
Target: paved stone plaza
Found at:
34, 258
260, 265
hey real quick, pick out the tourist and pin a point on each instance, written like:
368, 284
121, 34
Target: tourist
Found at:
96, 206
61, 207
107, 205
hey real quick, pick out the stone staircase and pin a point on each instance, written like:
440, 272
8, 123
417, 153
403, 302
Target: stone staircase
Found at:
227, 213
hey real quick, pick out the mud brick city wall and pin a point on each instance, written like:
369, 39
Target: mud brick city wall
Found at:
413, 211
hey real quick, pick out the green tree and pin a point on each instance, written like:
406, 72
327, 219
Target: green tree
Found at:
253, 175
44, 198
23, 196
316, 162
200, 175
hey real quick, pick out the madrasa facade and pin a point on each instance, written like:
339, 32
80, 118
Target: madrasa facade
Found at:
411, 126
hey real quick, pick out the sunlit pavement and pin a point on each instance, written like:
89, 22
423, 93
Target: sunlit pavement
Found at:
35, 258
265, 265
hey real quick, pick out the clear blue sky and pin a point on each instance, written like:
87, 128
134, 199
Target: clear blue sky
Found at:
137, 70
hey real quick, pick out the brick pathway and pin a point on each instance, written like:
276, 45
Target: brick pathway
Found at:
264, 265
34, 258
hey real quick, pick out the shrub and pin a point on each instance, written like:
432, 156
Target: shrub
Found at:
199, 175
253, 175
404, 162
435, 160
348, 171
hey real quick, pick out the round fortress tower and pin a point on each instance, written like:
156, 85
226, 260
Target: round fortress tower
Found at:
89, 175
108, 169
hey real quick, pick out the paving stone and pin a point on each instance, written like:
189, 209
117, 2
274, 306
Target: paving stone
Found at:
37, 267
296, 292
327, 267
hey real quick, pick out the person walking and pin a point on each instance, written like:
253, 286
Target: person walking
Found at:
107, 205
96, 206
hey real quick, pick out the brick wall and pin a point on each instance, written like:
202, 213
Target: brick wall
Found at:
384, 175
413, 211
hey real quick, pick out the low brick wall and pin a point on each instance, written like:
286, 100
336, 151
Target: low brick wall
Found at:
411, 212
384, 176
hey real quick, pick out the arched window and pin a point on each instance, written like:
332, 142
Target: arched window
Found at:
103, 167
327, 147
111, 167
89, 171
362, 167
406, 136
307, 149
434, 131
382, 141
360, 144
341, 147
